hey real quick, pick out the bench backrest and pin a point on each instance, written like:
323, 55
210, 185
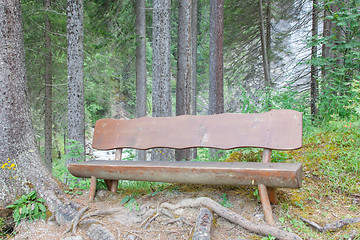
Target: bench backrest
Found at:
276, 129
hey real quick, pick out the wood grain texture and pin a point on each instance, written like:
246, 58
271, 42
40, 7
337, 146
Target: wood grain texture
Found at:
276, 129
287, 175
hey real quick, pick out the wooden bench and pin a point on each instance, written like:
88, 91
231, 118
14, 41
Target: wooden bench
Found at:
276, 129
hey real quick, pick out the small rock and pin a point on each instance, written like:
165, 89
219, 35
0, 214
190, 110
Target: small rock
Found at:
99, 232
203, 225
73, 238
102, 193
260, 216
131, 237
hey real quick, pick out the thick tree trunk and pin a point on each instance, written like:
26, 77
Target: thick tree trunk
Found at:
161, 96
314, 70
216, 83
48, 89
75, 40
141, 91
194, 32
17, 139
184, 71
265, 58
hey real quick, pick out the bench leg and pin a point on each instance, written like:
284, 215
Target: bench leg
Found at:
272, 195
92, 189
108, 184
266, 204
114, 186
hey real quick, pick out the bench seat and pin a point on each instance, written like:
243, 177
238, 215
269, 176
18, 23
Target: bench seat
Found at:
286, 175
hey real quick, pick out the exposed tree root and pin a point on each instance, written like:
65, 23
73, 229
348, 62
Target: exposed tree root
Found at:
81, 218
159, 212
180, 221
261, 229
331, 226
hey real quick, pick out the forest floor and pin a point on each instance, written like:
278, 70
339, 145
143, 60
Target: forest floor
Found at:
126, 223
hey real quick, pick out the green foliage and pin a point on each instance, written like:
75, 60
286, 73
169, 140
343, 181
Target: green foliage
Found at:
60, 171
256, 194
2, 225
225, 201
28, 207
334, 155
131, 155
339, 82
74, 150
130, 203
268, 238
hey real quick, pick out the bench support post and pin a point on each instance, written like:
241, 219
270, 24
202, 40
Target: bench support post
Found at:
266, 158
113, 184
266, 204
267, 194
92, 189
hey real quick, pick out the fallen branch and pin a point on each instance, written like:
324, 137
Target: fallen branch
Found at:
260, 229
331, 226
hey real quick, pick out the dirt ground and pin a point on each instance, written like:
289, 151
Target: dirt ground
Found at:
130, 224
127, 224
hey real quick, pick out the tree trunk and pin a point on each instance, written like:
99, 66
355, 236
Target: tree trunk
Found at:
328, 25
75, 40
314, 70
17, 139
216, 88
48, 89
184, 71
194, 32
216, 82
268, 32
161, 96
140, 66
265, 58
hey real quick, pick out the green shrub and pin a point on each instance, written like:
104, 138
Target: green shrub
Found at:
28, 207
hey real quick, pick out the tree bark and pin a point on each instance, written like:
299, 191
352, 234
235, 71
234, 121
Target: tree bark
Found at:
194, 32
184, 70
17, 139
48, 89
268, 29
265, 58
141, 91
216, 83
314, 70
161, 96
75, 40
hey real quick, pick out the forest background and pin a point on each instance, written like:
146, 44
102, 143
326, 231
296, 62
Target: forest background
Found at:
312, 51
